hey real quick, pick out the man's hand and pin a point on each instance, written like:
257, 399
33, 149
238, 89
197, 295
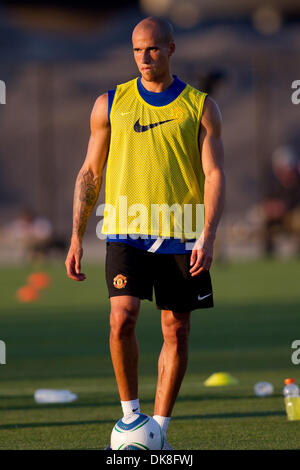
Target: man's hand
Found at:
201, 256
73, 260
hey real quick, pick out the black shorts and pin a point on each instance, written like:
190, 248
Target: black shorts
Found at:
132, 271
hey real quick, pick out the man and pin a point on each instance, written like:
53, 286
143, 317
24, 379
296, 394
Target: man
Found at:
161, 139
281, 207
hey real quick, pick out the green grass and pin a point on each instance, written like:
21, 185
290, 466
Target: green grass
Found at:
61, 341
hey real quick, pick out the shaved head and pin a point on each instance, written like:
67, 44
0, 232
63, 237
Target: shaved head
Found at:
153, 46
161, 29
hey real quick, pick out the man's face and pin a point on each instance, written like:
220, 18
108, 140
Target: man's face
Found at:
151, 54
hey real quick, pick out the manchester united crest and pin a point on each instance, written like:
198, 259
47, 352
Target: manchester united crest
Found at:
120, 281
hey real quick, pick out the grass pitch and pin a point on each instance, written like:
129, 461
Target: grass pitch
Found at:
61, 341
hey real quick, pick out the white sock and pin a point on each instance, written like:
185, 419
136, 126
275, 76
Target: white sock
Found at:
131, 406
163, 421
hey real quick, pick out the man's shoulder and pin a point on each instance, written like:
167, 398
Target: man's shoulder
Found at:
99, 115
211, 110
101, 104
211, 116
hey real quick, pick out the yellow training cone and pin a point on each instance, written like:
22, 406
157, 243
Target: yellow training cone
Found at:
220, 378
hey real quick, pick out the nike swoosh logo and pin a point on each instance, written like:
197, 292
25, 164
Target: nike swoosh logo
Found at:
135, 409
204, 297
128, 112
139, 128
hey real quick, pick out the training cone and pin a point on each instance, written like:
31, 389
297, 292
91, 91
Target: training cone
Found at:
39, 280
27, 294
219, 379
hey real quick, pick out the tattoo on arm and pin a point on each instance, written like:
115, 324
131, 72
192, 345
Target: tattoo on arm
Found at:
85, 196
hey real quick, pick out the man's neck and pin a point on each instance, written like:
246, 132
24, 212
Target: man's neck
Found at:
158, 85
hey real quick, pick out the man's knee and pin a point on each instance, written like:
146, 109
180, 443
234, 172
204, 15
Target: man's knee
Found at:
123, 319
176, 331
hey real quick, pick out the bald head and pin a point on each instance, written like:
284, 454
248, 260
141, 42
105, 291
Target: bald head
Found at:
159, 28
153, 46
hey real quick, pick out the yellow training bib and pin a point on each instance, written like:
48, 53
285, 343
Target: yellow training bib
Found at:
154, 169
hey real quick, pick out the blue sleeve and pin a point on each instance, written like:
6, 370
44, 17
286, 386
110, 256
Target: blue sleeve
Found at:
111, 95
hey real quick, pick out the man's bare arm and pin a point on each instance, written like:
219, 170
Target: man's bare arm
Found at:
212, 152
88, 183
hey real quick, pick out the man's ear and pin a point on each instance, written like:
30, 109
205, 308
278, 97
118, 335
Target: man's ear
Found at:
172, 48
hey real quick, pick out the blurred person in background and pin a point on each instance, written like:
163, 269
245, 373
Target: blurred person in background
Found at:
210, 81
281, 207
33, 234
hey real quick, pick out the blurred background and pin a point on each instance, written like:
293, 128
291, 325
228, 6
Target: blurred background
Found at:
57, 57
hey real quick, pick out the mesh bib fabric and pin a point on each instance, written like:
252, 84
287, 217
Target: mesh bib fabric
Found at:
154, 159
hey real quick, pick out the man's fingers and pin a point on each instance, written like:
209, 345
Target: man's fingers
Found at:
199, 259
77, 265
76, 277
72, 266
193, 257
72, 271
202, 263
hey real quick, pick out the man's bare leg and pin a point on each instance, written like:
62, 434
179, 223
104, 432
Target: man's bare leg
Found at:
123, 344
172, 360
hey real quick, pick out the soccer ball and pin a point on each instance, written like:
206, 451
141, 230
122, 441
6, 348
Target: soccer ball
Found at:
139, 432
